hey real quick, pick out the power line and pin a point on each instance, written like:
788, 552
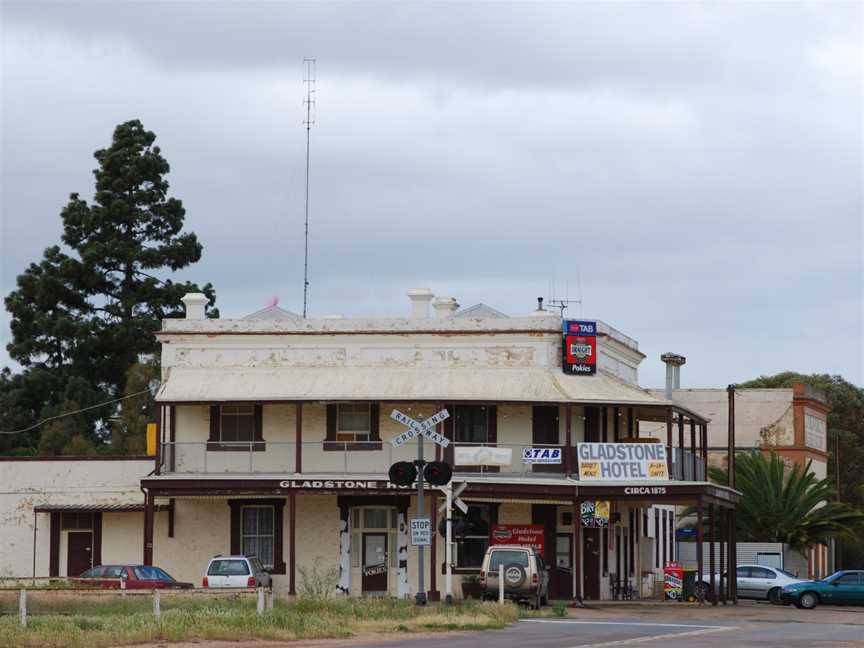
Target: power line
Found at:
309, 101
78, 411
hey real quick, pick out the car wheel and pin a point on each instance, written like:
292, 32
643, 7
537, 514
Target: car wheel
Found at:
774, 595
808, 601
514, 576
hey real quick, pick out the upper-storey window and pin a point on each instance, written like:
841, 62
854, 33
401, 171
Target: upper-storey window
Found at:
237, 423
472, 424
353, 422
236, 427
353, 426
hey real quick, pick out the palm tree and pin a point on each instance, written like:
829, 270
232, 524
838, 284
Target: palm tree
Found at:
791, 507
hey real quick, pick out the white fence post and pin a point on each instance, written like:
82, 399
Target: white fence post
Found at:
22, 607
501, 583
157, 607
260, 600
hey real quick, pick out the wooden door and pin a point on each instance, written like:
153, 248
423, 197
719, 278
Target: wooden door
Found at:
374, 563
544, 431
591, 566
79, 552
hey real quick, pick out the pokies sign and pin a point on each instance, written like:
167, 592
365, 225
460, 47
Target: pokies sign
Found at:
526, 535
580, 347
621, 461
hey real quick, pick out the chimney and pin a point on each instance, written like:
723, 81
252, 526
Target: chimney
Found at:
195, 303
445, 307
420, 298
540, 312
673, 372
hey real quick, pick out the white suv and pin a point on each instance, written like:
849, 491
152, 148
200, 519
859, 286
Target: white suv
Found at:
236, 571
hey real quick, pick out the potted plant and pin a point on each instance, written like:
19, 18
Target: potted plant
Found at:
471, 587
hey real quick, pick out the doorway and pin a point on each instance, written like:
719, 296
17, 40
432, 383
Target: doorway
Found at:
561, 578
591, 572
79, 552
374, 567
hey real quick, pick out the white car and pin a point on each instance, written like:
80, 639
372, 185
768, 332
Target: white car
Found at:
236, 571
754, 582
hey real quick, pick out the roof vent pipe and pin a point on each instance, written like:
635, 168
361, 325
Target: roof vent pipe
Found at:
420, 298
445, 307
195, 304
540, 312
673, 363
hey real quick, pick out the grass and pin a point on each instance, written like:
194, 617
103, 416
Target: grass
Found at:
100, 623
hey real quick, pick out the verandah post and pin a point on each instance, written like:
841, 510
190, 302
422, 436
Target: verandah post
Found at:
699, 539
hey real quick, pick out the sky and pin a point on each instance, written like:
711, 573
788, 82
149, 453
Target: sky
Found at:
691, 172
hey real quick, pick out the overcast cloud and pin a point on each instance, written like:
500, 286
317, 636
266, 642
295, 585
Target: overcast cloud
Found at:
692, 171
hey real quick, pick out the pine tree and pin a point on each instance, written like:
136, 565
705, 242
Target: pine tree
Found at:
89, 311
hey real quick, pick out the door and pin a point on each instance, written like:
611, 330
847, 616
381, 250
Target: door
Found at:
744, 583
375, 564
762, 580
79, 554
591, 565
843, 589
561, 575
544, 432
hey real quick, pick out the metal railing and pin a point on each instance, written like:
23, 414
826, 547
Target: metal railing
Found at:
376, 457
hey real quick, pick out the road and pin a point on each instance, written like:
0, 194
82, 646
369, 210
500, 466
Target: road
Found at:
732, 627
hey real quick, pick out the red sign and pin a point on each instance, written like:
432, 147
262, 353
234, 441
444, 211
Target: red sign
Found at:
580, 347
527, 535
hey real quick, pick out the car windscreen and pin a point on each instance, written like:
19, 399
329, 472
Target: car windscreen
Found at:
228, 568
95, 572
507, 557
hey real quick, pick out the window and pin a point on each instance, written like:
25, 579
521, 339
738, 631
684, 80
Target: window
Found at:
562, 551
761, 572
257, 533
847, 579
472, 547
507, 557
228, 568
353, 422
76, 521
236, 423
743, 572
115, 571
353, 426
146, 573
236, 427
472, 424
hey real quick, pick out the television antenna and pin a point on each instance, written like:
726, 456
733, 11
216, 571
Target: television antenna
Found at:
309, 80
562, 303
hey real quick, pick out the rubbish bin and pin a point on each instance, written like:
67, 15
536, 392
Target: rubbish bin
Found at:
689, 593
673, 576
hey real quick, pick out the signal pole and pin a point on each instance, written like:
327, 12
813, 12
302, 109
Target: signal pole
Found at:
421, 577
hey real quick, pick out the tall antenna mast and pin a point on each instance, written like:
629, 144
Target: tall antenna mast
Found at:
309, 101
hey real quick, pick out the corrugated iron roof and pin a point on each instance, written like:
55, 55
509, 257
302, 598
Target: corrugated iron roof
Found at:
535, 385
90, 508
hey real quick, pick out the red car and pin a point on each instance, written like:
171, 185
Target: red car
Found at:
136, 577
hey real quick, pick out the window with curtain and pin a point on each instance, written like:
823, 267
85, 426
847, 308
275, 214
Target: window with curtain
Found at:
257, 533
353, 422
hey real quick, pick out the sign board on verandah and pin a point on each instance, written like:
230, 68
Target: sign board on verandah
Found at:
622, 461
426, 428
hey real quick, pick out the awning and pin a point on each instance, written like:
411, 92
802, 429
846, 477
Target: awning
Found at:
398, 385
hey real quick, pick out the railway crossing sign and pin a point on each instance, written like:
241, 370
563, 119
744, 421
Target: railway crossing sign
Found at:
426, 428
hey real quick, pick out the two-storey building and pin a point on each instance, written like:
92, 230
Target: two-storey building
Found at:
275, 439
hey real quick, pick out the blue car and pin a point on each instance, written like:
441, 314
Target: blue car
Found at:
843, 587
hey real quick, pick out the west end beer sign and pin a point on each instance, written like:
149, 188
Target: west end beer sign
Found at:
580, 347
